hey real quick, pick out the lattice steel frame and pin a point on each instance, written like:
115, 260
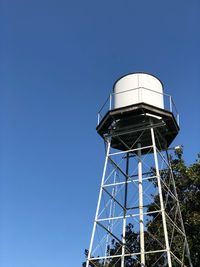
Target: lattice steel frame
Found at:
168, 208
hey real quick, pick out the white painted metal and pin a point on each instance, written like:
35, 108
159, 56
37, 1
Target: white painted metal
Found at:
130, 150
98, 203
129, 216
142, 249
136, 88
130, 181
130, 254
123, 240
161, 199
111, 214
124, 217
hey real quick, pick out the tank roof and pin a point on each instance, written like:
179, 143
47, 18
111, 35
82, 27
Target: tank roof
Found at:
139, 72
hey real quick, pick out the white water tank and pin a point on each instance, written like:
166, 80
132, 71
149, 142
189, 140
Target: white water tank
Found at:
137, 88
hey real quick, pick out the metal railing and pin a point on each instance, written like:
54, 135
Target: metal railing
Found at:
168, 102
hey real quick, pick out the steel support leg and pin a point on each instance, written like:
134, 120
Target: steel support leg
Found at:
98, 203
125, 210
142, 248
161, 198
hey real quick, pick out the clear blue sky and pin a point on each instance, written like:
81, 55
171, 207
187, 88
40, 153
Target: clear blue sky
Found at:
58, 61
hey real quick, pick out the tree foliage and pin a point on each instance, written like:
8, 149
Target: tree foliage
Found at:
188, 188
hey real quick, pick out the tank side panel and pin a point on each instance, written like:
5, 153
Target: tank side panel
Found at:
137, 88
123, 93
151, 90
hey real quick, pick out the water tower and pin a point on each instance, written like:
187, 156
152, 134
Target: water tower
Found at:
138, 219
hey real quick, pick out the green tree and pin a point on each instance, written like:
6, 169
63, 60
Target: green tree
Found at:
187, 180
